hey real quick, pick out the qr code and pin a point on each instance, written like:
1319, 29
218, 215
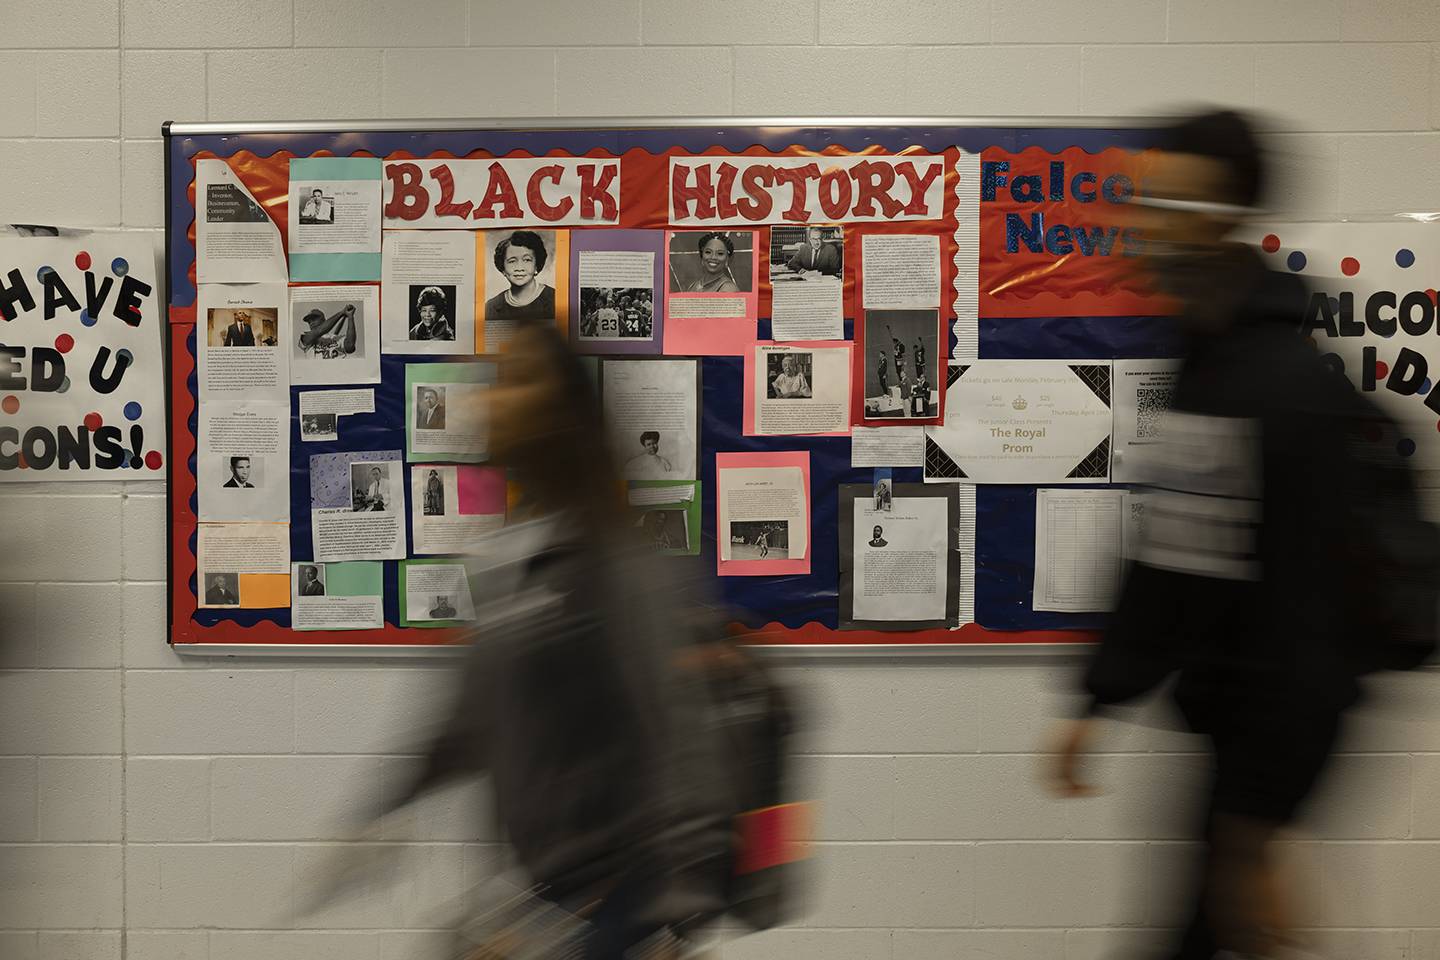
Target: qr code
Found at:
1152, 402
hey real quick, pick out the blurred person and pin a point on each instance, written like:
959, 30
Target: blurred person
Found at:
1261, 585
605, 779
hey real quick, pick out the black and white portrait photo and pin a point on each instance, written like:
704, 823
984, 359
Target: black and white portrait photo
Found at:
222, 589
318, 425
429, 408
242, 472
902, 367
666, 528
370, 488
718, 261
788, 375
521, 276
316, 208
653, 461
312, 580
432, 311
617, 313
442, 607
814, 250
759, 539
884, 495
328, 330
877, 538
433, 504
241, 327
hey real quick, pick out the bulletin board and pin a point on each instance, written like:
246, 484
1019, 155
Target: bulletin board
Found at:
1034, 262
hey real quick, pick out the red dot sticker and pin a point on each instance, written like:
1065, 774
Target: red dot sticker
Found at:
153, 460
1382, 369
10, 404
93, 421
1433, 295
1349, 266
1270, 244
64, 343
82, 260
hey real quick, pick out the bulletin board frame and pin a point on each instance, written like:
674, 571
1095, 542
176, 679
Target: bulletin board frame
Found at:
342, 138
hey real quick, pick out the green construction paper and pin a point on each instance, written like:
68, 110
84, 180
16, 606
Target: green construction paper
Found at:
334, 266
405, 620
691, 508
355, 578
335, 168
423, 372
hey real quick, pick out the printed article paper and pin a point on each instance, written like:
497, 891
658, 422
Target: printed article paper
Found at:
807, 282
1079, 549
428, 292
887, 446
651, 408
243, 564
763, 514
336, 334
445, 410
452, 507
242, 461
357, 506
799, 390
900, 559
617, 295
1024, 421
239, 329
321, 410
334, 218
235, 240
337, 596
1143, 389
437, 591
901, 272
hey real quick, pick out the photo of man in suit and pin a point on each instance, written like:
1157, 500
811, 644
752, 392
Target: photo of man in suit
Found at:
816, 255
240, 333
878, 540
442, 609
430, 408
240, 474
310, 585
221, 591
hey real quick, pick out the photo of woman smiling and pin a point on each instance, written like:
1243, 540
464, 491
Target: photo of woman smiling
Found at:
714, 262
520, 259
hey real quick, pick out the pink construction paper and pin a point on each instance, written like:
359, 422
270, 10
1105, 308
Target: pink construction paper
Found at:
481, 490
747, 422
764, 568
705, 337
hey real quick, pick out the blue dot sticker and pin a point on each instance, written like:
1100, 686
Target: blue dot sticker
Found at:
119, 266
132, 411
43, 271
1404, 257
86, 319
125, 355
1405, 447
1425, 386
1296, 261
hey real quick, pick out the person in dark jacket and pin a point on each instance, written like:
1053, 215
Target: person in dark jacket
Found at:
573, 699
1247, 532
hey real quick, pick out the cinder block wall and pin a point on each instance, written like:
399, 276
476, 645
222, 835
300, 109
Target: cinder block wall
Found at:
155, 808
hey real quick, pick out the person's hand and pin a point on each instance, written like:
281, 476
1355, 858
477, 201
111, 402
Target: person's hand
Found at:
1064, 774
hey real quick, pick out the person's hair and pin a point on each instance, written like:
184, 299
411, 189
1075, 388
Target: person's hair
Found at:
434, 473
814, 229
308, 568
235, 461
528, 239
375, 470
649, 434
717, 235
314, 317
241, 313
429, 390
576, 441
317, 190
1230, 138
431, 297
